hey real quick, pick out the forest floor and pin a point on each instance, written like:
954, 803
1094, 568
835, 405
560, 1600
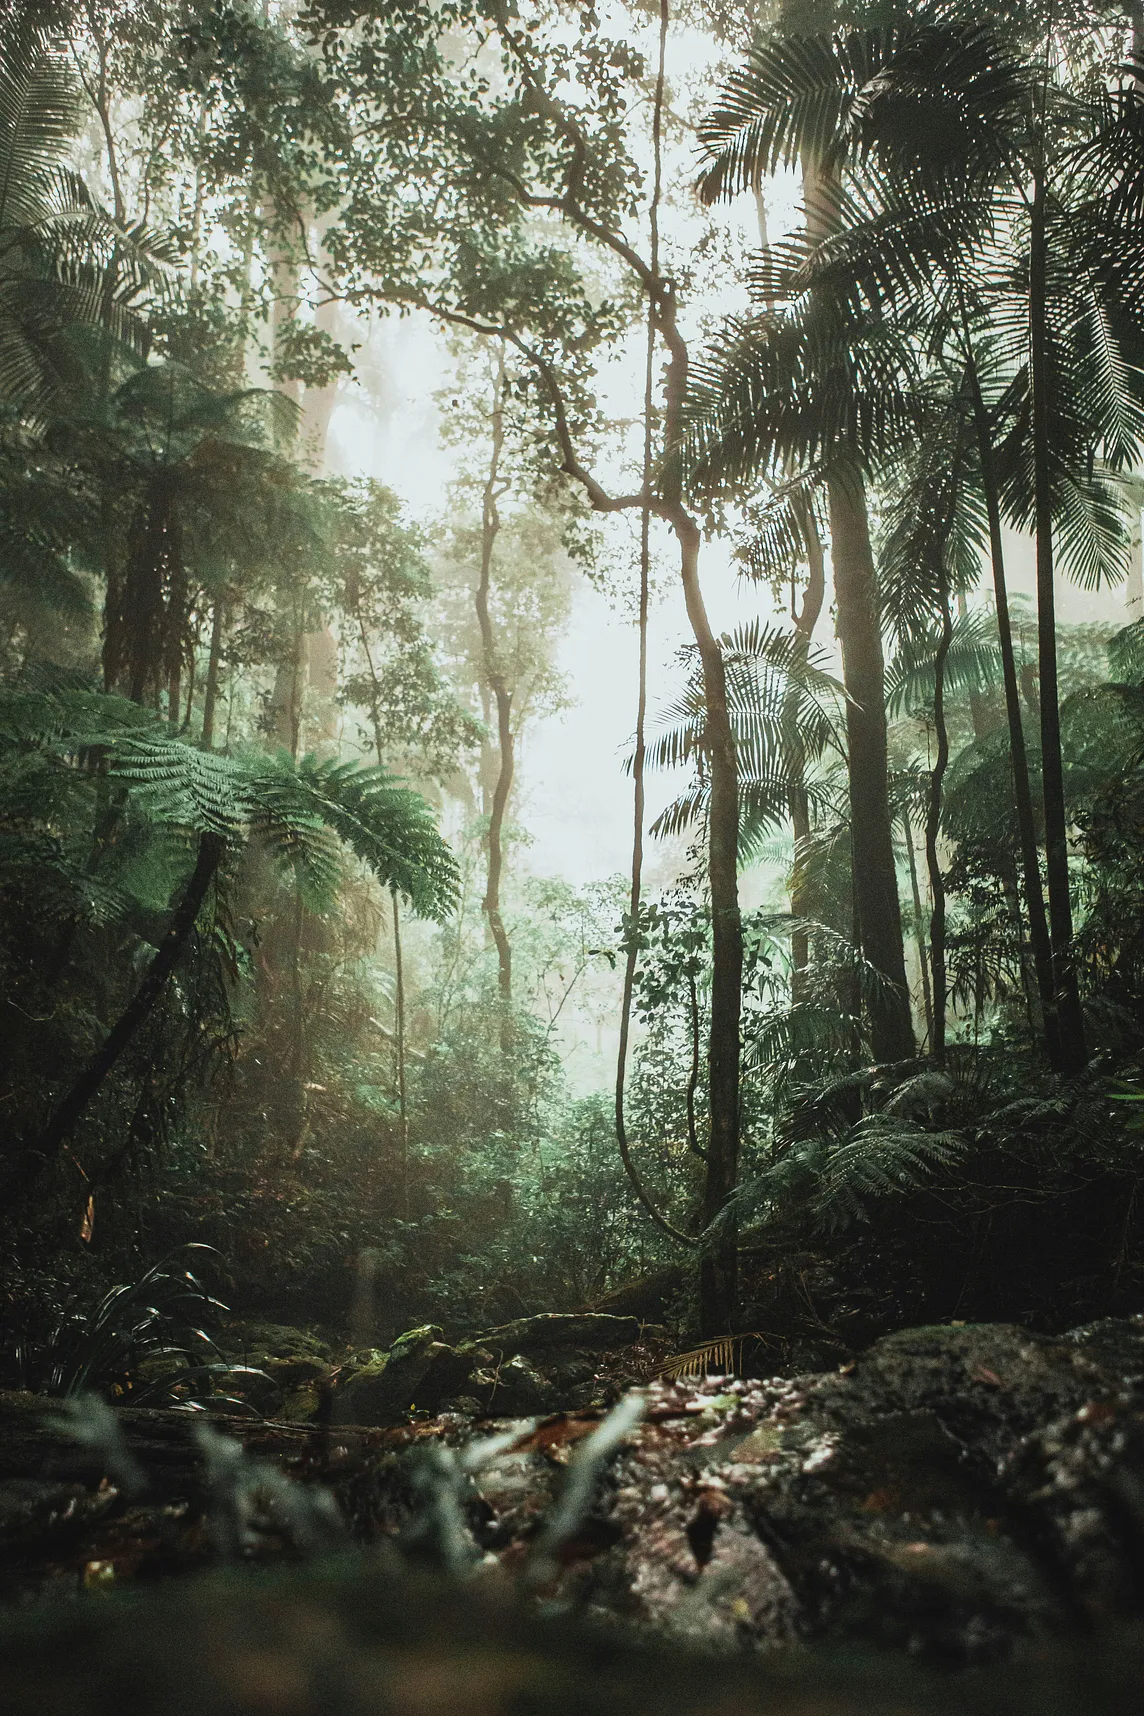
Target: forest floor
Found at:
960, 1498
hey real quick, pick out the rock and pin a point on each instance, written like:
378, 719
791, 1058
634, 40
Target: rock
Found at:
520, 1391
554, 1329
960, 1495
956, 1493
253, 1343
419, 1371
650, 1298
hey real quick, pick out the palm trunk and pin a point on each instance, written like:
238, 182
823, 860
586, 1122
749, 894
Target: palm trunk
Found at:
1066, 1008
502, 697
1018, 757
804, 622
68, 1112
878, 909
933, 825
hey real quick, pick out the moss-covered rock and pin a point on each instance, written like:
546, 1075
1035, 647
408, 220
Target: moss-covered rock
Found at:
419, 1372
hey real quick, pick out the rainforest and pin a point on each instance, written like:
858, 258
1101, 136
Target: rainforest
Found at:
571, 856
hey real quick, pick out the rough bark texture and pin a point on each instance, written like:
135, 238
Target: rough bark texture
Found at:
875, 878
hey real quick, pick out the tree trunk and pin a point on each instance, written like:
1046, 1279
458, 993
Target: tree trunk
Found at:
502, 697
875, 878
718, 1268
804, 623
399, 1050
719, 1259
933, 824
1066, 1008
1018, 757
919, 933
214, 668
67, 1113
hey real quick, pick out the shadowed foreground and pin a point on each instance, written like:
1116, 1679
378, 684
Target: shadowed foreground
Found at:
359, 1638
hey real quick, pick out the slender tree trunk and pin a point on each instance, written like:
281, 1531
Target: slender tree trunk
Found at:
693, 1143
919, 932
298, 1056
875, 877
399, 1047
502, 698
804, 623
933, 824
214, 668
68, 1112
635, 895
718, 1269
1018, 756
719, 1259
1065, 995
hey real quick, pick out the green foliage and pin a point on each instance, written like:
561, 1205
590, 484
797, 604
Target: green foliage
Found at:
141, 1341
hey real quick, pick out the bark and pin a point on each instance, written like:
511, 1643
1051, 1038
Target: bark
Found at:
214, 668
804, 622
718, 1269
399, 1050
319, 402
1065, 1008
635, 895
879, 925
933, 825
69, 1111
878, 911
693, 1143
286, 699
502, 699
298, 1056
718, 1264
919, 934
1018, 756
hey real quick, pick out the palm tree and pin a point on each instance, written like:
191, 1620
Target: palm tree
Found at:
63, 261
977, 150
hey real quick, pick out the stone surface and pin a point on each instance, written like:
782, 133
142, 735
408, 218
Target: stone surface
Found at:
555, 1329
958, 1495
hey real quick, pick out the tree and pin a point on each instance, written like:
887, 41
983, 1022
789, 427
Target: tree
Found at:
746, 135
216, 804
961, 124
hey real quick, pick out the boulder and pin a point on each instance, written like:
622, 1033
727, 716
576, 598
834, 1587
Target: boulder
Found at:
553, 1330
420, 1371
520, 1391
